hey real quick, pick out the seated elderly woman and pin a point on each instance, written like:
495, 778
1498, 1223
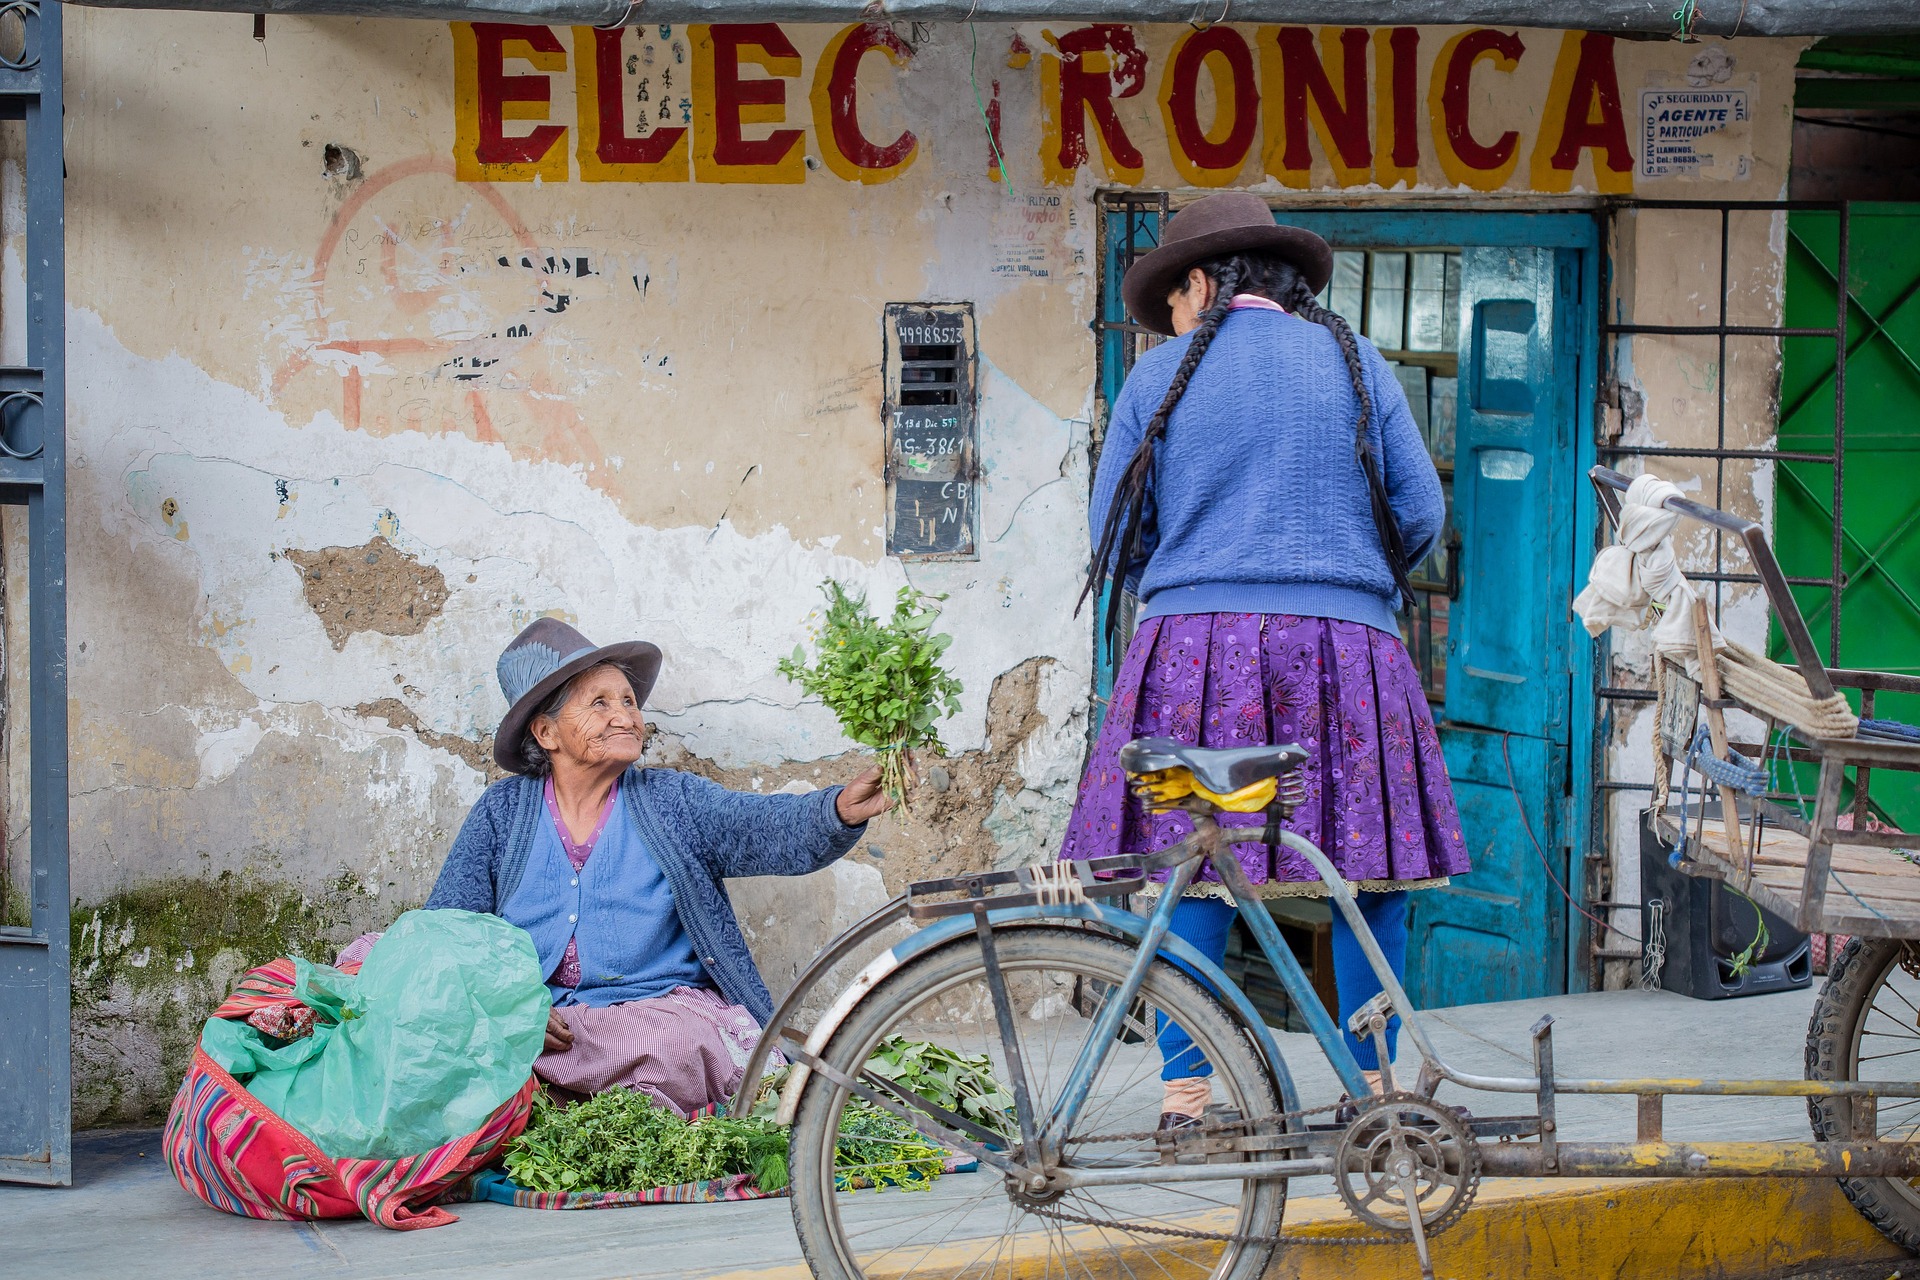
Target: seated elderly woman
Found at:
616, 872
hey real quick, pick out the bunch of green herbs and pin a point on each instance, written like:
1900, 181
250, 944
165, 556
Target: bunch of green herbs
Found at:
883, 680
621, 1140
961, 1083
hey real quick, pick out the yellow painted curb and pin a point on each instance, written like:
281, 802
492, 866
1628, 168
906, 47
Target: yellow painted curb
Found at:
1539, 1229
1586, 1229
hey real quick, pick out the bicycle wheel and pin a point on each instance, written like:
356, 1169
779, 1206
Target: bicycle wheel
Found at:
976, 1226
1866, 1026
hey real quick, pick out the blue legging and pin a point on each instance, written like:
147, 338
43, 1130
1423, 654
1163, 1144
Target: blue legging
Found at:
1205, 922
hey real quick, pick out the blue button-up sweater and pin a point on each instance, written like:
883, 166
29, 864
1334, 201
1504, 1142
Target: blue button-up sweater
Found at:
618, 911
698, 832
1258, 504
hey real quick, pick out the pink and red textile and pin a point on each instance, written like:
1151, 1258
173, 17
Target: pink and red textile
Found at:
226, 1148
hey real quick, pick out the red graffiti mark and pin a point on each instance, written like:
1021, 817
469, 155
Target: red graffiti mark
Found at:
561, 433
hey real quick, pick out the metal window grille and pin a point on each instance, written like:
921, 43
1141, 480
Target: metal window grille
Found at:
1728, 558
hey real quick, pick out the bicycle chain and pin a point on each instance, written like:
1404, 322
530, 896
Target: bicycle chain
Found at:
1189, 1233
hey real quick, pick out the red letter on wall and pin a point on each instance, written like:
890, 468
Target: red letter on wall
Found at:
1307, 94
836, 106
1210, 159
1467, 160
486, 97
1583, 112
1396, 154
1096, 66
723, 102
608, 153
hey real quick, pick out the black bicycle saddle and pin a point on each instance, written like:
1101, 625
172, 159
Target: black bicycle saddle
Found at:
1220, 770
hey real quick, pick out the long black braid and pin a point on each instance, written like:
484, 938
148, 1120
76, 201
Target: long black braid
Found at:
1275, 279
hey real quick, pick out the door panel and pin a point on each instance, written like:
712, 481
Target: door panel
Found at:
1880, 512
1502, 671
1495, 934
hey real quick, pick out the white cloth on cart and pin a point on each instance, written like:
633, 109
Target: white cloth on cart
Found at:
1640, 570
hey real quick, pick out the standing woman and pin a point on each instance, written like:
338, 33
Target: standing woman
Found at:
1264, 490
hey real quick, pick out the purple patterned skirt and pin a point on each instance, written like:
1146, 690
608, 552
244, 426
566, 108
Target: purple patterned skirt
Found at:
1378, 799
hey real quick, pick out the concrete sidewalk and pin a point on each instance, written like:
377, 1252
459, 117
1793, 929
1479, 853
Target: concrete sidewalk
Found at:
125, 1216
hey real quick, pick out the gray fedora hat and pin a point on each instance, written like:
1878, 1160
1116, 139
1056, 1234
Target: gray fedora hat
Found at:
1230, 222
545, 656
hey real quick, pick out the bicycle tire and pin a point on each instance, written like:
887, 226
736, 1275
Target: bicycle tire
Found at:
1855, 978
817, 1205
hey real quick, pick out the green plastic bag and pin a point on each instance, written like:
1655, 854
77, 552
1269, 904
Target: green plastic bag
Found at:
440, 1027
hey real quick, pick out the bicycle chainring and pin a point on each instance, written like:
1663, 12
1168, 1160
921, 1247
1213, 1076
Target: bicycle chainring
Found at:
1398, 1138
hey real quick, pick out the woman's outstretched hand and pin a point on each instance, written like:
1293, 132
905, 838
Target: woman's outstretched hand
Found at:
863, 798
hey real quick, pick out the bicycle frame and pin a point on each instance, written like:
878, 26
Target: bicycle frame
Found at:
1042, 893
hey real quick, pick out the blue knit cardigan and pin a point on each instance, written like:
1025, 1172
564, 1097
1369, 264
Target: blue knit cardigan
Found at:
699, 832
1258, 504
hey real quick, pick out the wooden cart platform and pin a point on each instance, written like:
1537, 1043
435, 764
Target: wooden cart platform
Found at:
1826, 868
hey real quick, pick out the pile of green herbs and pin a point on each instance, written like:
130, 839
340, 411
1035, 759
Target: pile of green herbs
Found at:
883, 681
620, 1140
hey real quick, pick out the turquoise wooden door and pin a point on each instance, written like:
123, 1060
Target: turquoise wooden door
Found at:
1505, 703
1500, 932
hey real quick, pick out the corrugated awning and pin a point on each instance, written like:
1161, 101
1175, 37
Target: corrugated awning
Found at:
1646, 17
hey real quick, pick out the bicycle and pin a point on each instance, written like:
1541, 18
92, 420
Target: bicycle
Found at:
1061, 989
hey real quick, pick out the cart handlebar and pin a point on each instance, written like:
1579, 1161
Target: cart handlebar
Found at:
1609, 484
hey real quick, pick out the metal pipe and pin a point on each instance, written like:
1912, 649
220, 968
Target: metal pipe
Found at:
1756, 18
1703, 1160
1159, 1173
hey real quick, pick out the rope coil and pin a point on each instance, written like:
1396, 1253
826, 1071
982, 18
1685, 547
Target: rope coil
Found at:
1057, 884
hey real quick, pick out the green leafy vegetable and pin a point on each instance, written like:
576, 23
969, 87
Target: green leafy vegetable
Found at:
961, 1083
878, 1149
883, 680
620, 1140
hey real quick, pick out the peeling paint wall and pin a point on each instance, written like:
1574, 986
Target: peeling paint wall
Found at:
342, 423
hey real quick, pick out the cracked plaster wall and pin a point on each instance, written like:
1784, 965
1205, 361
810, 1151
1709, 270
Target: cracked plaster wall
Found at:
277, 372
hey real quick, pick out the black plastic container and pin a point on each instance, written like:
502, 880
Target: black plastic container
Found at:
1705, 926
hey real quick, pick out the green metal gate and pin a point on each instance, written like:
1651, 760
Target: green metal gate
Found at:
1873, 619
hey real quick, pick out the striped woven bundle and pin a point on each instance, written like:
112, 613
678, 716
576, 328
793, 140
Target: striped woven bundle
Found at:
499, 1188
226, 1148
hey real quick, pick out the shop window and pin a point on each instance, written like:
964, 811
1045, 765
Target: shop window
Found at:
932, 432
1407, 303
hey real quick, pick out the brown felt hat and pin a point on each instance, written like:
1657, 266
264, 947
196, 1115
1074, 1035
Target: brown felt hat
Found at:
545, 656
1230, 222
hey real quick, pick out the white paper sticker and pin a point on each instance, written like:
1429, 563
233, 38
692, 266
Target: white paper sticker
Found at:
1684, 132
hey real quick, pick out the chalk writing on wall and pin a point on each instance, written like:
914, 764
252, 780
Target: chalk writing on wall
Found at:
737, 103
931, 438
